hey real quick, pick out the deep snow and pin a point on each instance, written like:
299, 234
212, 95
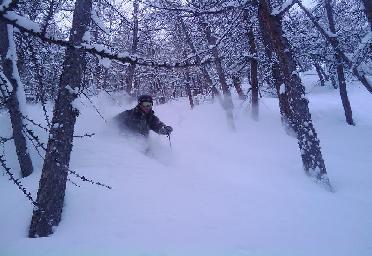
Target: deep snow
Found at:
216, 192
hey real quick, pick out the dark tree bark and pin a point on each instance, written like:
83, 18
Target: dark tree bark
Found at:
277, 77
238, 86
339, 68
52, 185
318, 69
333, 81
308, 141
368, 11
132, 67
331, 75
188, 84
10, 71
254, 72
188, 89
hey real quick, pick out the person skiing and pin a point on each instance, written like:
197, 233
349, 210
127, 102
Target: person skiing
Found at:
141, 119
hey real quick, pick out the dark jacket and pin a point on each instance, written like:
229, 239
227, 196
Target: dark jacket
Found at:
138, 122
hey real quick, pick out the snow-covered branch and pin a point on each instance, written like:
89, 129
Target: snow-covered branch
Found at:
7, 5
226, 7
27, 26
332, 39
280, 11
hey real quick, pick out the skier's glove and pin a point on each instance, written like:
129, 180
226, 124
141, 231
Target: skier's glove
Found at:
166, 130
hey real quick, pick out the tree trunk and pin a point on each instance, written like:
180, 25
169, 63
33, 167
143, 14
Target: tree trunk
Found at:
132, 67
52, 185
190, 43
188, 89
308, 141
227, 101
277, 77
238, 87
11, 79
368, 11
339, 67
254, 72
334, 43
318, 69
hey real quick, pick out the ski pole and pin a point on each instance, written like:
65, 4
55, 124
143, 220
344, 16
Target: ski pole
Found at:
170, 143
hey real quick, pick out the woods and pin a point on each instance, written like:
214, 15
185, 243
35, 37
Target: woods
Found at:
173, 49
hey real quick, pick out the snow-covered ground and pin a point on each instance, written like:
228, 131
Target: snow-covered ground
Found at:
215, 192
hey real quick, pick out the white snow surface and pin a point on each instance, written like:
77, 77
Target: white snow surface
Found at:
215, 192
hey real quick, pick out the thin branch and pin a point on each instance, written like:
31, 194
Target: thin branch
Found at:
105, 53
91, 102
117, 11
75, 184
16, 181
34, 137
196, 12
33, 143
34, 123
83, 178
3, 139
85, 135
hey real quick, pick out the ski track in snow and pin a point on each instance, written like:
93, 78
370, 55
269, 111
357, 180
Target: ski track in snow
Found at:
216, 192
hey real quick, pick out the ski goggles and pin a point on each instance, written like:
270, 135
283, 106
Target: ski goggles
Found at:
146, 104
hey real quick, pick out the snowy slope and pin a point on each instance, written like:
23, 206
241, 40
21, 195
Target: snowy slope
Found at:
216, 192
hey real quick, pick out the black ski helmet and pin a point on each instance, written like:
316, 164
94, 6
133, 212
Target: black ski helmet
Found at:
145, 98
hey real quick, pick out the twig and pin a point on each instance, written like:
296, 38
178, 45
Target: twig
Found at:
85, 135
34, 123
73, 183
104, 53
91, 102
16, 181
83, 178
3, 140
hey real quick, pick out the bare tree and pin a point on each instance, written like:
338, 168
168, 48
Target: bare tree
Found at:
238, 86
339, 67
52, 186
368, 10
132, 67
227, 102
277, 78
191, 45
300, 119
333, 41
254, 71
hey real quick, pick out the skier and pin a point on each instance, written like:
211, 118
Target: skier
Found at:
141, 119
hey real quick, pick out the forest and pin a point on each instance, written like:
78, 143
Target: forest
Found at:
57, 53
